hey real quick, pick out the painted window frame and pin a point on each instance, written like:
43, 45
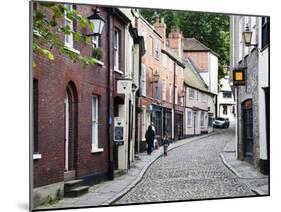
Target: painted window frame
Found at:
68, 39
164, 89
116, 49
95, 124
191, 93
143, 80
176, 95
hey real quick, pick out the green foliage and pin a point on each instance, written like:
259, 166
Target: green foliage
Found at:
97, 53
47, 30
210, 29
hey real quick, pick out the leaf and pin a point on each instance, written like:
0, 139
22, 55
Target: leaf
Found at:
50, 56
77, 36
83, 22
88, 39
74, 12
91, 24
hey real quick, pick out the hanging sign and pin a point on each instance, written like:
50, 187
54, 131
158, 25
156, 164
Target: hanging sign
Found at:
239, 76
124, 86
118, 131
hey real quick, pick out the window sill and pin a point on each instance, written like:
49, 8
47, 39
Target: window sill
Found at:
37, 156
72, 50
118, 71
96, 150
100, 63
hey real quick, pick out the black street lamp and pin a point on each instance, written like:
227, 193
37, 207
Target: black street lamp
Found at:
98, 22
247, 34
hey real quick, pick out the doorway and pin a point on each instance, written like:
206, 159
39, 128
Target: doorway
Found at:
70, 131
247, 111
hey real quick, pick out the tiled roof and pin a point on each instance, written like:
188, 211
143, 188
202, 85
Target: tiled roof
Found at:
192, 44
193, 79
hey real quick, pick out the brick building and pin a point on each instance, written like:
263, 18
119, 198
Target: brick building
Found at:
73, 109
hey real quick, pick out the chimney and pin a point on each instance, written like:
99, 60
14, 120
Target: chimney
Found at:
175, 41
160, 28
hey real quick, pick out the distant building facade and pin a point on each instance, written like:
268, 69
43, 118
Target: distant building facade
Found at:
226, 103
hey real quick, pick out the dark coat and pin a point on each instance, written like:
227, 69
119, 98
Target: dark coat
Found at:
149, 136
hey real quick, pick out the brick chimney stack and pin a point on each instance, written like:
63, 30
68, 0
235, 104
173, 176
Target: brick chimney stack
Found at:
175, 41
160, 28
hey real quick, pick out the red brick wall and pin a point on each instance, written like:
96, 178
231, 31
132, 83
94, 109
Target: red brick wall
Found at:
53, 77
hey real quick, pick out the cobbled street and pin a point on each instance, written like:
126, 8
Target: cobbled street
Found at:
192, 171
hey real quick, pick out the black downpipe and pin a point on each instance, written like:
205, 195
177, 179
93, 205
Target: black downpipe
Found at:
109, 115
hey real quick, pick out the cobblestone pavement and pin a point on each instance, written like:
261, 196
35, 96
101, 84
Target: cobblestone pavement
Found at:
192, 171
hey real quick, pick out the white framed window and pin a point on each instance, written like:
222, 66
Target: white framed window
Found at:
150, 51
191, 93
95, 124
145, 41
157, 50
116, 49
68, 39
171, 94
240, 39
176, 95
164, 60
164, 89
143, 80
189, 119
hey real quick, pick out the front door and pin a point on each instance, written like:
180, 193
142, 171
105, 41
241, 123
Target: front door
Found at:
70, 132
66, 133
248, 130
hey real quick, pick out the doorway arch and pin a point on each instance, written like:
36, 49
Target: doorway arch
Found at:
247, 126
70, 128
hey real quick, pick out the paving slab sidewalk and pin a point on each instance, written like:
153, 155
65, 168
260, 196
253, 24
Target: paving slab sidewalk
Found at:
107, 192
256, 181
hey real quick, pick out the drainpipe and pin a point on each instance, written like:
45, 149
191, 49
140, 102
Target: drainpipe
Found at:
109, 105
174, 100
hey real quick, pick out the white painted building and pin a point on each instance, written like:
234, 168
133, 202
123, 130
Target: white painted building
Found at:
226, 103
206, 63
252, 134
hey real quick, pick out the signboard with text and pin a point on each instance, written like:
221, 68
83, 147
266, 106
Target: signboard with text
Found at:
118, 131
124, 86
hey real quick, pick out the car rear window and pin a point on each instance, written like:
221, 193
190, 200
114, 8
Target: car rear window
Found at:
220, 119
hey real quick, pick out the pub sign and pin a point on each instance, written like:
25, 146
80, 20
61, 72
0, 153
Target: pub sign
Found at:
239, 76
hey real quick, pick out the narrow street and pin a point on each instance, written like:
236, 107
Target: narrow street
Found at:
192, 171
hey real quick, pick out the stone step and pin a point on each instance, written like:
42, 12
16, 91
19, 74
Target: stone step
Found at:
78, 191
118, 173
68, 185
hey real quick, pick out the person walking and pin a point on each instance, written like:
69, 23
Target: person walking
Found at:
149, 136
166, 143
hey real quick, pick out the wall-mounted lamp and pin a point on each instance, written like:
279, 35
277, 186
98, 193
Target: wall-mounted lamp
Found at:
98, 22
247, 34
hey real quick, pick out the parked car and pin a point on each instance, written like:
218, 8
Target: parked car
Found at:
221, 122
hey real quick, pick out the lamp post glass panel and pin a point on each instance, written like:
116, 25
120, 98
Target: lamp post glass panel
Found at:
247, 34
97, 21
